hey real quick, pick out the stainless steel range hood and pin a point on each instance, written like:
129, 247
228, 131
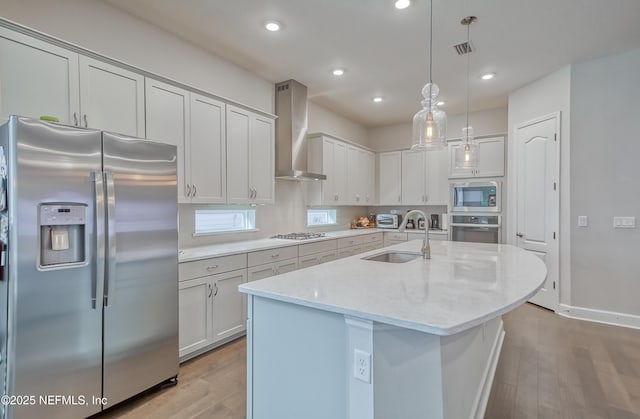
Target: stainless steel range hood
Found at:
291, 132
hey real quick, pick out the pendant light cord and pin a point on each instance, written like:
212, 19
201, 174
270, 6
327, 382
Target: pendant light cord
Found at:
468, 54
430, 39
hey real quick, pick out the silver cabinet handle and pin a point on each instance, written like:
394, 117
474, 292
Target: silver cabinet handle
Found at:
195, 190
519, 234
275, 255
75, 119
210, 291
216, 289
212, 268
111, 239
97, 291
188, 190
86, 124
399, 198
255, 193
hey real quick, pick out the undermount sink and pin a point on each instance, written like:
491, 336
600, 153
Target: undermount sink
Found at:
394, 257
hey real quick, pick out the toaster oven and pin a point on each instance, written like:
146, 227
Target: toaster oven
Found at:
388, 220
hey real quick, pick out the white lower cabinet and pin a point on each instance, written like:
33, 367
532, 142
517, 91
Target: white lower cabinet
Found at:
211, 308
272, 269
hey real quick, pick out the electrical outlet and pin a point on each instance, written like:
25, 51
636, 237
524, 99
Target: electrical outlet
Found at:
583, 221
362, 366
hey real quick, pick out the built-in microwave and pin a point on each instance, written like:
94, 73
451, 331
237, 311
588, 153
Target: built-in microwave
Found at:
388, 220
475, 196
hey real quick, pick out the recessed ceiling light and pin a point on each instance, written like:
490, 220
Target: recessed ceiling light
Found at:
442, 102
338, 72
402, 4
377, 99
488, 76
272, 26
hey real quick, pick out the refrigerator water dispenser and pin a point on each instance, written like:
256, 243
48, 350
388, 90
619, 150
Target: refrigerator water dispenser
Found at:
62, 234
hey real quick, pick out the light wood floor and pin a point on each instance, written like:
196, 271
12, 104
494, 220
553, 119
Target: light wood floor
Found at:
550, 367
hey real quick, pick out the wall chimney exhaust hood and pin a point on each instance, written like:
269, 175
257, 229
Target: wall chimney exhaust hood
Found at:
291, 132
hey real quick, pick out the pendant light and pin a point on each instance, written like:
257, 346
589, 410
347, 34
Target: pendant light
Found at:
467, 154
429, 123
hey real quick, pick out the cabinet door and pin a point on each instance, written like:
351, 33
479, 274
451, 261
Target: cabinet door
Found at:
261, 271
194, 305
354, 179
437, 178
329, 193
229, 304
111, 98
390, 178
261, 159
369, 176
413, 178
309, 260
339, 172
238, 121
167, 113
490, 157
37, 79
286, 266
207, 163
455, 173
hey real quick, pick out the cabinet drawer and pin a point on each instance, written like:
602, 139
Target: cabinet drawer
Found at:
372, 238
348, 251
350, 241
417, 236
316, 259
317, 247
272, 255
200, 268
395, 236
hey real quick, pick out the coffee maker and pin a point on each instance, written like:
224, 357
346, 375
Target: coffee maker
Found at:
435, 221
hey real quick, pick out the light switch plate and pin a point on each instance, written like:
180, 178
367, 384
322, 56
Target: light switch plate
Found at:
624, 222
583, 221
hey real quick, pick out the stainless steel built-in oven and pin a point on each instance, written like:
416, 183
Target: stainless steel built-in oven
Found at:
475, 196
475, 228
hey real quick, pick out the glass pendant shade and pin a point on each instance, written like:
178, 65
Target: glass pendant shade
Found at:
466, 156
430, 122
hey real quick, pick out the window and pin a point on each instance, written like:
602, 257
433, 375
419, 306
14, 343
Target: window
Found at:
226, 220
321, 217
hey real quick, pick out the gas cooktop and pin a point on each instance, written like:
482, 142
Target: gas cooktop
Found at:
298, 236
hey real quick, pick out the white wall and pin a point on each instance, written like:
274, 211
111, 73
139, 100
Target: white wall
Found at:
605, 182
323, 120
394, 137
543, 97
108, 31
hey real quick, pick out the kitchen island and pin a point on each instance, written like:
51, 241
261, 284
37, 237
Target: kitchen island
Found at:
357, 338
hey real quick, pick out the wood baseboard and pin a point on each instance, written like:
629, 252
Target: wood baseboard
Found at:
600, 316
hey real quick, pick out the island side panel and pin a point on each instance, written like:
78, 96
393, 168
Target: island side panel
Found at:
407, 374
297, 360
469, 360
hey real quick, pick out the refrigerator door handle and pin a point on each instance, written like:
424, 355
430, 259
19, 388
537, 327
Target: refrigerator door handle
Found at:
111, 240
97, 287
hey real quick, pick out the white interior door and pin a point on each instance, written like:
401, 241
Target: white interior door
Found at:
537, 199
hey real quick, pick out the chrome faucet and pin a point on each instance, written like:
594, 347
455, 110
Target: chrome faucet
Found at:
426, 249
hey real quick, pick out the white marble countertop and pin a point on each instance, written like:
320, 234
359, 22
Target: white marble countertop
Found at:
463, 285
225, 249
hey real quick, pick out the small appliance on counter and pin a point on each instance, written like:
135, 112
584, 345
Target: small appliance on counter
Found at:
444, 221
435, 221
388, 220
421, 224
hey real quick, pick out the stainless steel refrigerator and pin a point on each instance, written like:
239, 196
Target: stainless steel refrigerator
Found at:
89, 280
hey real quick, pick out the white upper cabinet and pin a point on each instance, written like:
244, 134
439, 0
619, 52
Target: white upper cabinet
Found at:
437, 183
349, 169
250, 157
390, 178
37, 78
414, 178
360, 171
490, 159
167, 113
207, 169
424, 178
111, 98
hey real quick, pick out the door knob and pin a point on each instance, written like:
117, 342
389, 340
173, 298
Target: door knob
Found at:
519, 234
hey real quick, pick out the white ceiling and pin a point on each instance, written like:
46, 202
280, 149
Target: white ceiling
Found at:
384, 51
